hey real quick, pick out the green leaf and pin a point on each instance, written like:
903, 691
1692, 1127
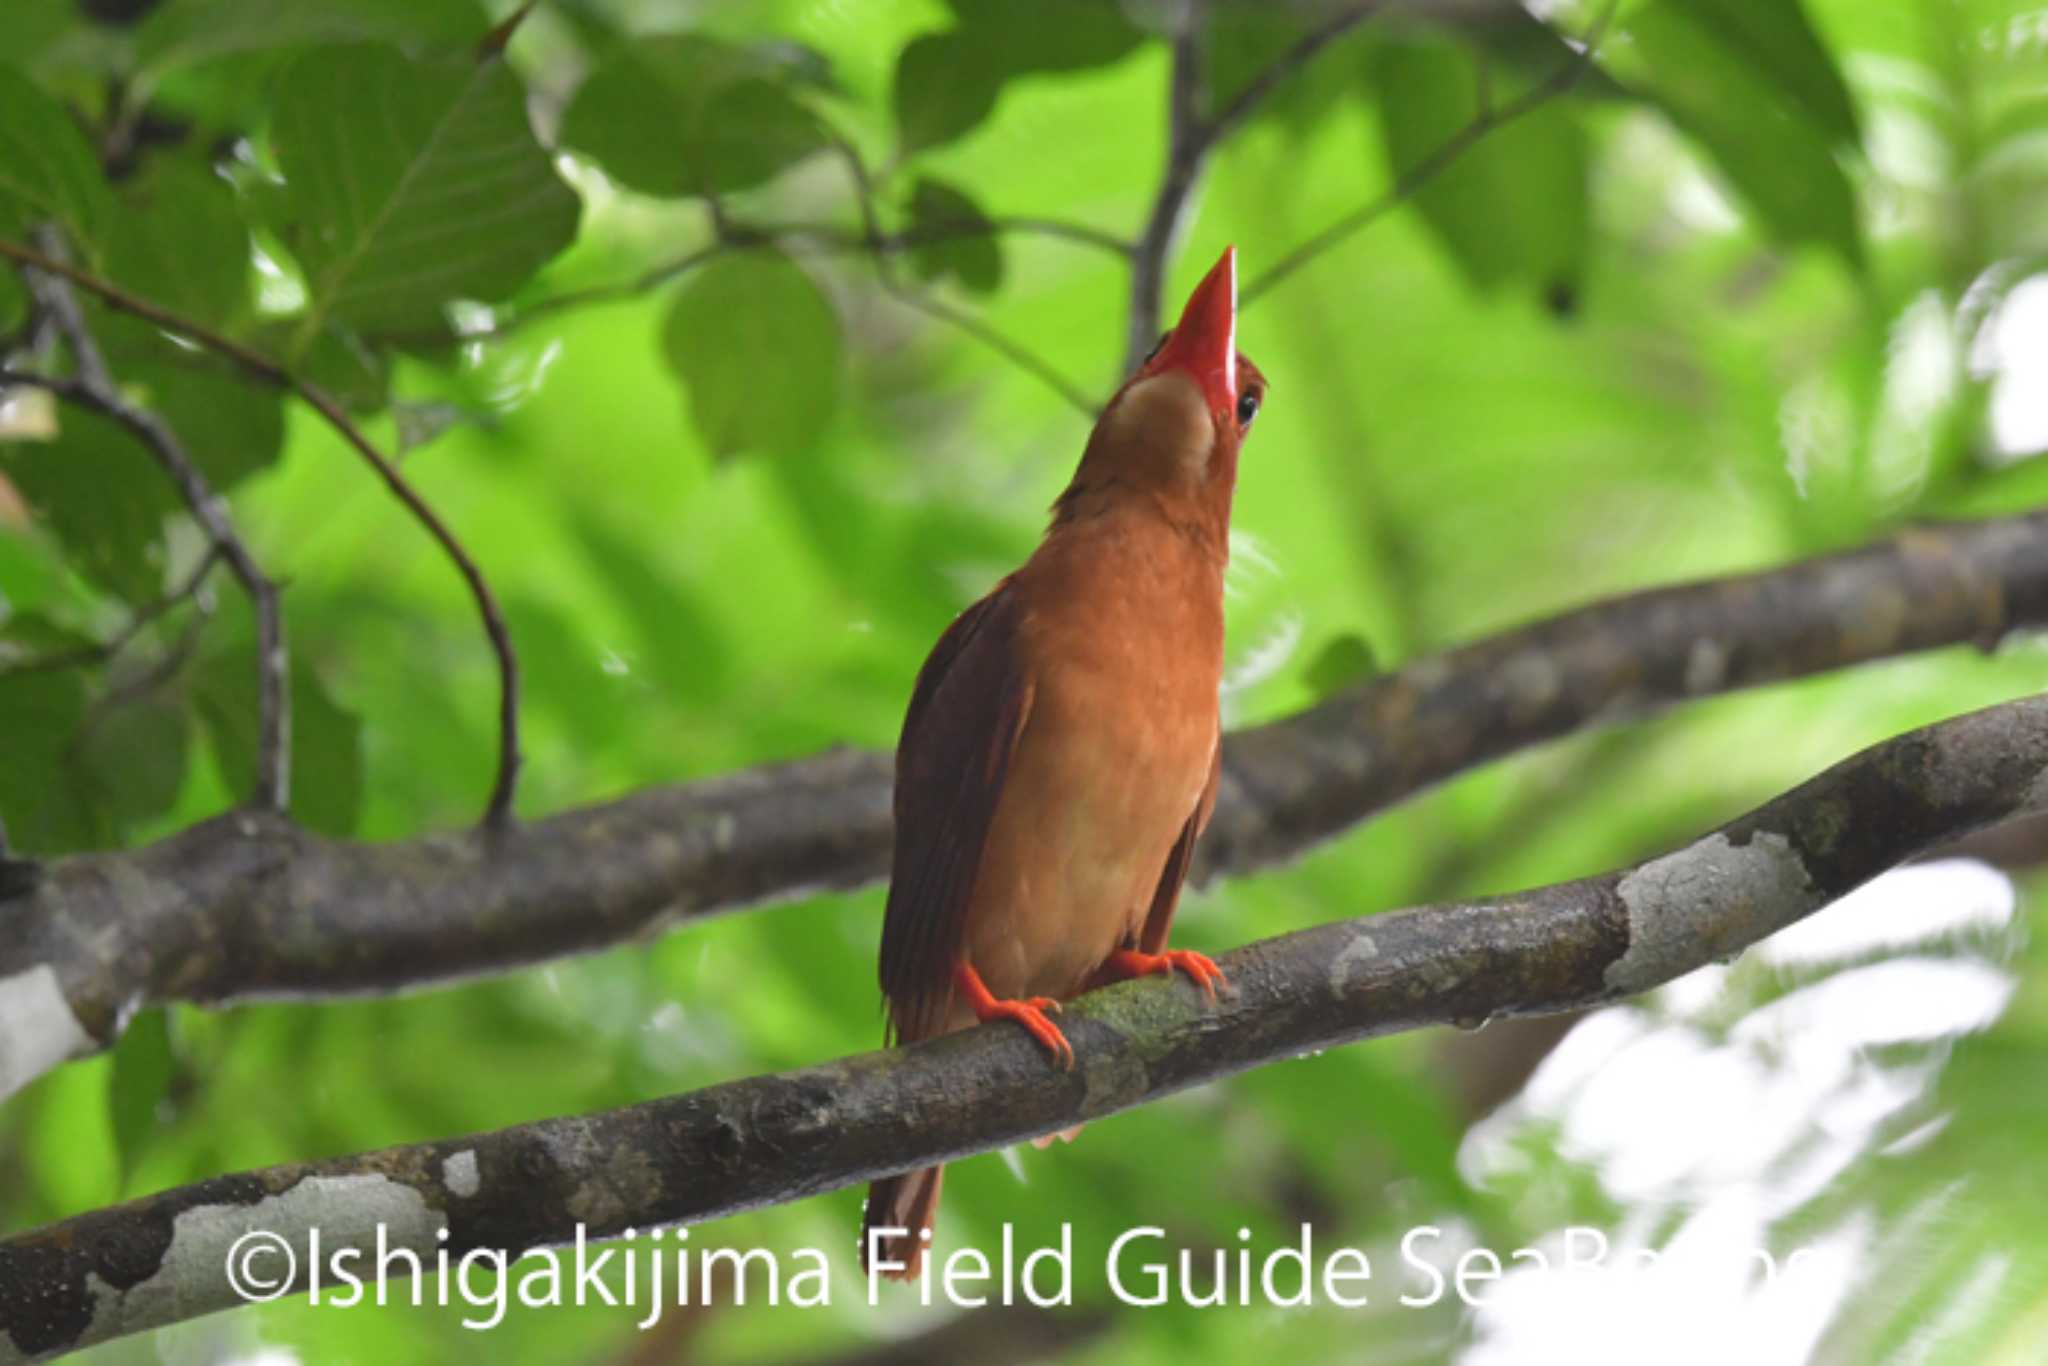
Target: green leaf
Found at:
434, 188
34, 27
758, 348
47, 170
974, 259
336, 359
230, 427
40, 800
29, 636
179, 241
132, 758
326, 741
139, 1084
1773, 149
96, 489
13, 301
946, 83
1513, 206
1779, 44
1347, 659
193, 31
727, 117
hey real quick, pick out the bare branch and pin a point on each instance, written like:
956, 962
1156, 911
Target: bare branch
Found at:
498, 811
773, 1139
1287, 65
804, 239
874, 241
94, 389
243, 908
1190, 138
1187, 147
1489, 118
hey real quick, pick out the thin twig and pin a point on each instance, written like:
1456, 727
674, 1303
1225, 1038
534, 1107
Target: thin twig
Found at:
1486, 121
1261, 87
1187, 146
93, 389
801, 239
498, 812
102, 652
874, 241
1190, 138
1014, 351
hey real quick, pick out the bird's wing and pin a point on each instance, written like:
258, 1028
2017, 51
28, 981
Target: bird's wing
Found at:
1167, 897
967, 712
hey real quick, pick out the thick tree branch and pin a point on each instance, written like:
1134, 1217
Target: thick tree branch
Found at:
247, 907
771, 1139
499, 809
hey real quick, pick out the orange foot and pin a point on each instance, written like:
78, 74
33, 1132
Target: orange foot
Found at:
1199, 966
1029, 1013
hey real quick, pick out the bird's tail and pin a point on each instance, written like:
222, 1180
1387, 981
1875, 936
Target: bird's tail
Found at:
907, 1202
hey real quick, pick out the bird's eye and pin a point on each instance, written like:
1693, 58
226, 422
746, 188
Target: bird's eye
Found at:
1247, 408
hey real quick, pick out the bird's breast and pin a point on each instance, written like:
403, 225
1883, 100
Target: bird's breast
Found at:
1111, 764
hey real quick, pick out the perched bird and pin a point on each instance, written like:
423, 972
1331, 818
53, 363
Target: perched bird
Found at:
1059, 758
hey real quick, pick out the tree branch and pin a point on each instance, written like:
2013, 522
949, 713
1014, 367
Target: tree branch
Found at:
812, 238
772, 1139
95, 390
498, 811
245, 907
1190, 138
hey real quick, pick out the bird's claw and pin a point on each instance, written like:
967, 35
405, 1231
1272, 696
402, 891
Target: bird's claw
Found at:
1031, 1014
1199, 967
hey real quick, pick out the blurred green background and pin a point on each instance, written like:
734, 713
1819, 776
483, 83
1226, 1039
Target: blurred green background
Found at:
1764, 284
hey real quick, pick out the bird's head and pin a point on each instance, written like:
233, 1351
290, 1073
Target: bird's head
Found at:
1176, 425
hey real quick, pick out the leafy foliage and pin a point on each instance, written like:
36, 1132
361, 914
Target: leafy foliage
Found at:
1739, 295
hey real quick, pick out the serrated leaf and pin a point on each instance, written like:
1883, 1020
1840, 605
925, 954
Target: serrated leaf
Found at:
757, 346
974, 258
434, 188
1513, 207
326, 742
47, 170
947, 82
727, 117
179, 241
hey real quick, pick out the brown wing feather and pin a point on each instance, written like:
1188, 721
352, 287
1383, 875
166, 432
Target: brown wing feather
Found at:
1166, 899
967, 711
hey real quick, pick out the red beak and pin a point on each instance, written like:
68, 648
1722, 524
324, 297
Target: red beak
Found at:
1204, 344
